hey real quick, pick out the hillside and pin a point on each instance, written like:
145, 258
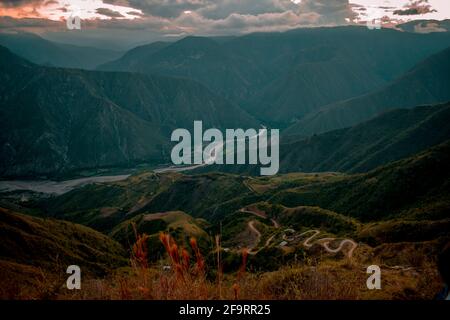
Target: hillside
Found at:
50, 243
103, 206
427, 83
112, 203
178, 224
414, 188
133, 57
96, 119
390, 136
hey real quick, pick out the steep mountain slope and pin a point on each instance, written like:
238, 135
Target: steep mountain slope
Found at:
391, 136
199, 58
41, 51
58, 120
133, 57
318, 77
427, 83
279, 77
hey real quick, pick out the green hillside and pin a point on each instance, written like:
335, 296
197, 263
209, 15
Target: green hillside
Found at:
413, 188
181, 226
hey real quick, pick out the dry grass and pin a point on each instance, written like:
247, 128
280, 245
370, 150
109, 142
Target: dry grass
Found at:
184, 275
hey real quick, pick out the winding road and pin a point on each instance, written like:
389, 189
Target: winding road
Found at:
325, 242
349, 244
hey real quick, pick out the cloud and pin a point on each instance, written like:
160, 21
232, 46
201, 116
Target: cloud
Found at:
415, 8
162, 8
330, 11
211, 18
109, 13
225, 8
236, 23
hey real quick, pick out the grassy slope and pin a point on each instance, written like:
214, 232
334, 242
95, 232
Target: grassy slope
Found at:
104, 205
178, 224
53, 244
416, 188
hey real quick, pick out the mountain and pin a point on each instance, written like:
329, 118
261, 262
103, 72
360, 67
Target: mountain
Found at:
280, 77
425, 26
199, 58
427, 83
318, 77
44, 52
133, 57
390, 136
96, 119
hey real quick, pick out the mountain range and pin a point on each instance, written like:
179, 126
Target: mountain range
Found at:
92, 119
281, 77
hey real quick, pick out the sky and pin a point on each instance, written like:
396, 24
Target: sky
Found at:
131, 22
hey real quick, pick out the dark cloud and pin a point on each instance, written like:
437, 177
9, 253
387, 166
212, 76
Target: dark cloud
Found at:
109, 13
331, 11
135, 13
162, 8
415, 8
223, 9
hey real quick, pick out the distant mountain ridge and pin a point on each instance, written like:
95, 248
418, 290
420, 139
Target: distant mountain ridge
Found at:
426, 83
44, 52
281, 77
